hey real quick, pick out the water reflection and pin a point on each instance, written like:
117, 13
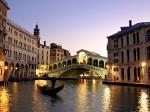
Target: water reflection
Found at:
106, 100
82, 93
41, 83
4, 100
77, 96
93, 87
15, 87
143, 102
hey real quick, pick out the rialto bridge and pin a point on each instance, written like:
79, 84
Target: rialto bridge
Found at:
84, 59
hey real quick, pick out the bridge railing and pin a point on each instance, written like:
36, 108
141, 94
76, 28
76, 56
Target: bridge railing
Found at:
75, 65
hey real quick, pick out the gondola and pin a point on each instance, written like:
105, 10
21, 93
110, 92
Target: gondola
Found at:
51, 91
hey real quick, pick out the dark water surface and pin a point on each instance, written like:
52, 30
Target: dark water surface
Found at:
77, 96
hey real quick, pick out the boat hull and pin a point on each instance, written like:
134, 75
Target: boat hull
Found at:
51, 91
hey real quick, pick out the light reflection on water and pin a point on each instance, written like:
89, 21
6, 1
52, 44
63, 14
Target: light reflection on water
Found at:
4, 100
82, 94
144, 105
106, 100
77, 96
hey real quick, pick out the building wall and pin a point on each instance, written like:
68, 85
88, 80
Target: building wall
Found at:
22, 51
44, 55
3, 14
138, 72
57, 53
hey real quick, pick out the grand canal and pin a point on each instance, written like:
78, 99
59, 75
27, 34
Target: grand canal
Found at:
77, 96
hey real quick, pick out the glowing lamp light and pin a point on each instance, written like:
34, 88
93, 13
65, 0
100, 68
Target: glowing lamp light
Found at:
143, 64
16, 68
6, 67
107, 66
81, 75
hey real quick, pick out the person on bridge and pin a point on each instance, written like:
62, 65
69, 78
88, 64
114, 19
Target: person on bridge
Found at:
53, 80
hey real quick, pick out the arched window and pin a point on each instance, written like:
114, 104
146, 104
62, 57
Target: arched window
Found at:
138, 53
122, 73
134, 39
6, 64
148, 52
26, 67
134, 53
137, 36
121, 42
101, 64
128, 55
32, 66
139, 73
147, 36
128, 73
148, 73
22, 66
135, 74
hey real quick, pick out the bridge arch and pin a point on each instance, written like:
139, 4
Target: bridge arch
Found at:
101, 73
90, 61
101, 63
59, 65
50, 67
83, 59
73, 72
74, 61
95, 62
64, 63
55, 66
69, 62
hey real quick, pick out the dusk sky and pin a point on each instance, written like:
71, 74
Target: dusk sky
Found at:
78, 24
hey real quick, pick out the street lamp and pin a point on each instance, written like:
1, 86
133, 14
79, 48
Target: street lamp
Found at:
143, 64
6, 67
107, 66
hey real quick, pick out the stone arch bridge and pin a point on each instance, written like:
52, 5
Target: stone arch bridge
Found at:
84, 60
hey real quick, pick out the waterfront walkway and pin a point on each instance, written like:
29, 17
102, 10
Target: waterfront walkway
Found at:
137, 84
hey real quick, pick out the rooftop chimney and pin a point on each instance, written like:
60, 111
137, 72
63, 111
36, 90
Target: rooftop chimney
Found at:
130, 23
44, 43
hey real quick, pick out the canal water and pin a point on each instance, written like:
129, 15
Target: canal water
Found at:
77, 96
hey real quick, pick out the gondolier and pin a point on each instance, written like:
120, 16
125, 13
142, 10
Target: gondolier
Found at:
53, 80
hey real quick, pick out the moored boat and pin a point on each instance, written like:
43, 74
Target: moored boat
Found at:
51, 91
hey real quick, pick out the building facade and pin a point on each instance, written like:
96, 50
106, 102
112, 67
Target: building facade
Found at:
129, 53
44, 54
3, 18
57, 53
20, 51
